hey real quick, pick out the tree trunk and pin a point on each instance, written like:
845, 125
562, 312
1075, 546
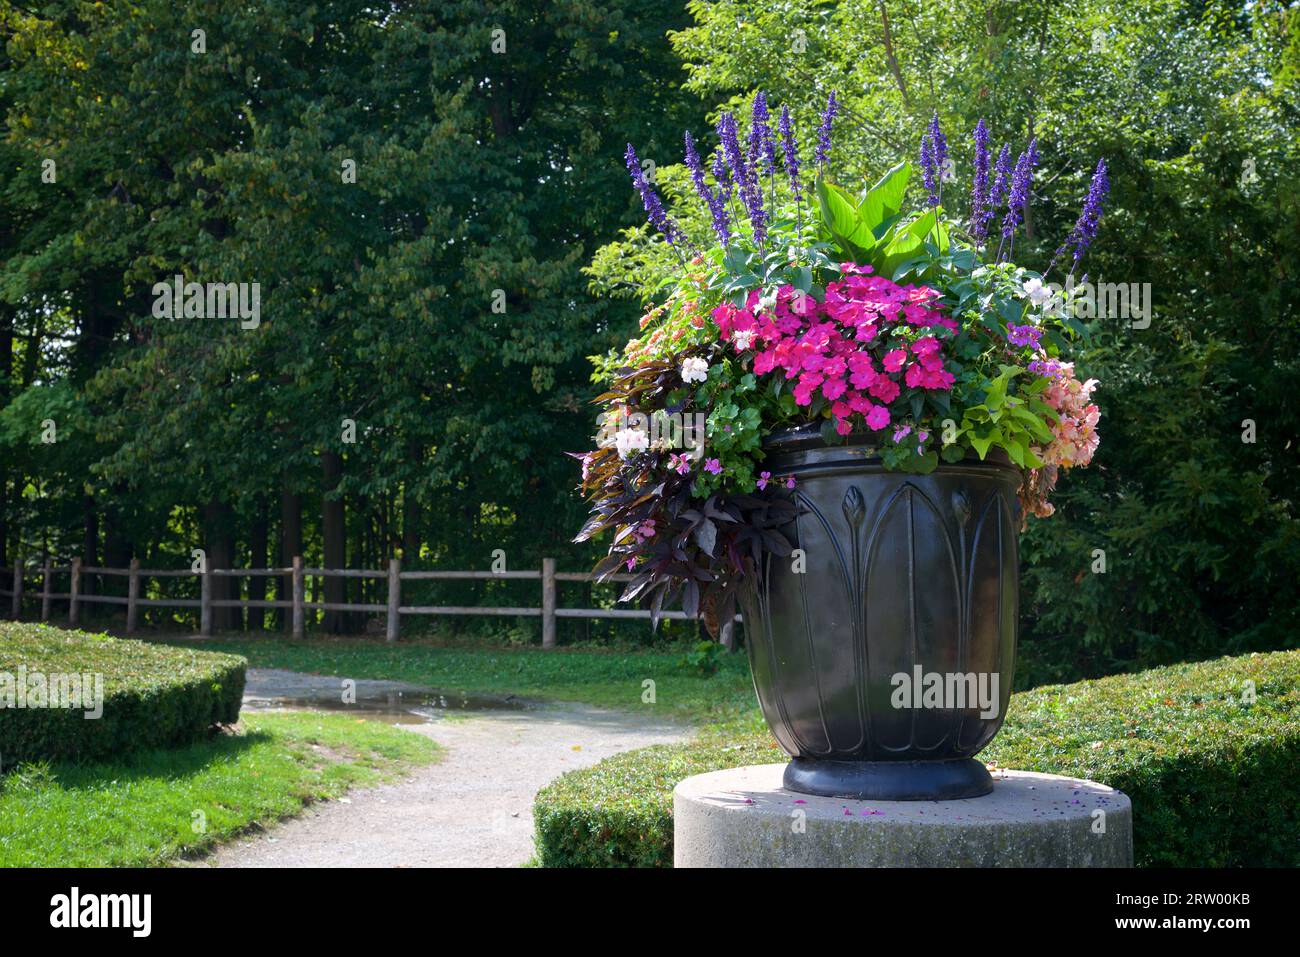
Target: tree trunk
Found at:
220, 548
257, 545
117, 549
410, 526
290, 545
334, 538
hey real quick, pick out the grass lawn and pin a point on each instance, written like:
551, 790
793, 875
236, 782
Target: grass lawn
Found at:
612, 679
142, 810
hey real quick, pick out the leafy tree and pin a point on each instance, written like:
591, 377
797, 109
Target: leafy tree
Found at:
415, 190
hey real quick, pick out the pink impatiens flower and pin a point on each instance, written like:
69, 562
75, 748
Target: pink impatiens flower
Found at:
885, 389
833, 388
824, 348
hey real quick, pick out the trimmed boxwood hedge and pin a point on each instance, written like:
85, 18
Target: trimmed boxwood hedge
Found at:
154, 696
1213, 779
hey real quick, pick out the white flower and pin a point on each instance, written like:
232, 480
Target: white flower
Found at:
628, 441
695, 369
1037, 292
743, 339
767, 302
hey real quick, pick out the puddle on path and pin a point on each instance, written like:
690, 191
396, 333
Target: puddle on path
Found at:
391, 701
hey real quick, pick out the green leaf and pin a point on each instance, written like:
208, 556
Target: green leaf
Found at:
1012, 310
1016, 450
839, 215
1032, 423
841, 212
910, 243
981, 443
885, 198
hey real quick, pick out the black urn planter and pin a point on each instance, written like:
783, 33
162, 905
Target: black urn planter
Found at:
903, 575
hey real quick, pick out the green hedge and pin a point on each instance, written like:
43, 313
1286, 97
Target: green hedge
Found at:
153, 696
1213, 780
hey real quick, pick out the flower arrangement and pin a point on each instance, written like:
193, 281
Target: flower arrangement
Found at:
910, 332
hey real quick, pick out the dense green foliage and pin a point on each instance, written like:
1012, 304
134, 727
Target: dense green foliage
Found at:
1212, 776
153, 696
142, 809
432, 299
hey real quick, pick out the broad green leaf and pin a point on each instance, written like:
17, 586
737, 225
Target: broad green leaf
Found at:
839, 215
885, 198
981, 443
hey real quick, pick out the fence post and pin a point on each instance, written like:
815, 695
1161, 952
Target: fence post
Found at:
298, 630
132, 595
18, 588
45, 591
548, 602
205, 599
74, 592
394, 597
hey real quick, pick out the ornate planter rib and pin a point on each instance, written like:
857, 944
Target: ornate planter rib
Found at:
902, 571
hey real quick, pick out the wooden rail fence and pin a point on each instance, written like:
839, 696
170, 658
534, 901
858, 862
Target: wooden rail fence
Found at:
549, 611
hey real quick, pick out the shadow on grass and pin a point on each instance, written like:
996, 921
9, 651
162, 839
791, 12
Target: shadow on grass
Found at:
157, 764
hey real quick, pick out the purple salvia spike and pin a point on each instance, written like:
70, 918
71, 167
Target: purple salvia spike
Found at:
717, 209
939, 144
1085, 229
650, 199
722, 176
823, 150
1021, 179
979, 193
928, 170
790, 152
760, 135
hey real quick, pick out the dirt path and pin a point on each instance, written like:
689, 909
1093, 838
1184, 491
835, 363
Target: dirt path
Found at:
473, 808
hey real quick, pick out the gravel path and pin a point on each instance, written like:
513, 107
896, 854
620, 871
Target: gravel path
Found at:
473, 808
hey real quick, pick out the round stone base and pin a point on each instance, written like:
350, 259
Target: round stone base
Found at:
744, 817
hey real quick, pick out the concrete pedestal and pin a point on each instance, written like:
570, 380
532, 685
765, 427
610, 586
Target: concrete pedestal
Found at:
745, 818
